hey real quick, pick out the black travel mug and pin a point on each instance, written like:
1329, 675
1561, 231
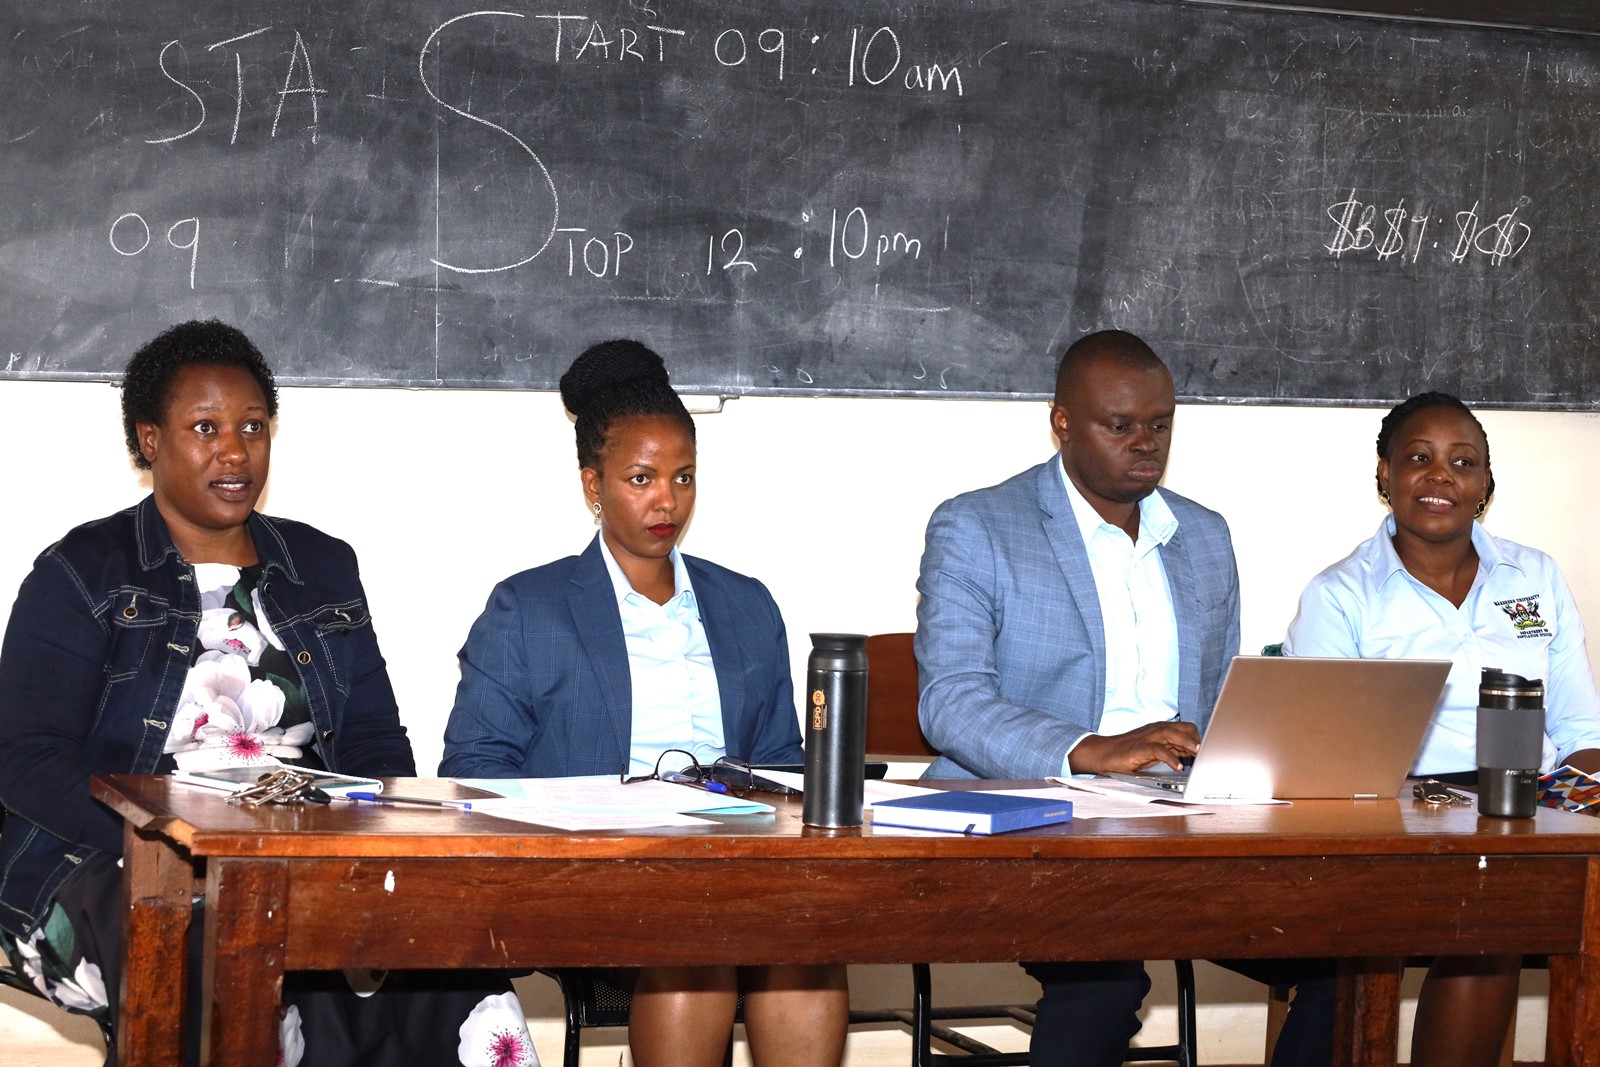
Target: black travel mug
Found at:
836, 730
1510, 743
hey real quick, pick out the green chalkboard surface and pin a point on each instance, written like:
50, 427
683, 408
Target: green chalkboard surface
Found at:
813, 196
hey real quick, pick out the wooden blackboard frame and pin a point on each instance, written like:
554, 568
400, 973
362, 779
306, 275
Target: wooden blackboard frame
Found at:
1532, 15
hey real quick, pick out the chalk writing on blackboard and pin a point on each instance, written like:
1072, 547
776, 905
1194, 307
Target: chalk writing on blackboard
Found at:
806, 196
1401, 233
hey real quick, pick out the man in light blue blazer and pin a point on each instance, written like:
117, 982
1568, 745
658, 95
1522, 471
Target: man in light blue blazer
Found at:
1079, 619
1011, 635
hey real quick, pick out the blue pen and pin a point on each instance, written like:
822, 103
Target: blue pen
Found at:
387, 798
678, 778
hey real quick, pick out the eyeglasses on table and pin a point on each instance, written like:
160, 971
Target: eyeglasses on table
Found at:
725, 775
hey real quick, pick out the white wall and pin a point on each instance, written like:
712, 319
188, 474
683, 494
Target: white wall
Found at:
445, 492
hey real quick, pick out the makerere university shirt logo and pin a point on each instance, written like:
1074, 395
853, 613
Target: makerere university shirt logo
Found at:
1523, 611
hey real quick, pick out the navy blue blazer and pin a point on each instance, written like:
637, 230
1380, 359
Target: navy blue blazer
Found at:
545, 688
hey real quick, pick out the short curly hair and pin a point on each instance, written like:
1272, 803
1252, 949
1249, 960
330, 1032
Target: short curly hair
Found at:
147, 380
613, 380
1422, 402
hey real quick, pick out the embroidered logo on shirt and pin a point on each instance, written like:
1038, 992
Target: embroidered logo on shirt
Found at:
1524, 615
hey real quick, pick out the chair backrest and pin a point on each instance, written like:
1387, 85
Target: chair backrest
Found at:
892, 726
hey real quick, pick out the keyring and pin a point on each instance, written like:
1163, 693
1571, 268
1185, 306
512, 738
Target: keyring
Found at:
284, 786
1434, 792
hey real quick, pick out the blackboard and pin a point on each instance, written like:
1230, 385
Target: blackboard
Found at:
877, 198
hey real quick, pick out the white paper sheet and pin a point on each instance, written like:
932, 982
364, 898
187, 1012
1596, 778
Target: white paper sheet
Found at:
875, 791
562, 819
1085, 805
1155, 796
605, 795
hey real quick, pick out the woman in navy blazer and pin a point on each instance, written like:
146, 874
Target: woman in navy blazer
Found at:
545, 687
554, 668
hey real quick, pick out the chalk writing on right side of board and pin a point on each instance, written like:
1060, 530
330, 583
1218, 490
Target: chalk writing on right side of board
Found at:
1403, 232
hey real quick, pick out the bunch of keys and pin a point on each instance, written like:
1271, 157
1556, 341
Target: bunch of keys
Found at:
1433, 791
285, 786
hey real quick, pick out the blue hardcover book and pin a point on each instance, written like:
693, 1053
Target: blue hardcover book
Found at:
971, 812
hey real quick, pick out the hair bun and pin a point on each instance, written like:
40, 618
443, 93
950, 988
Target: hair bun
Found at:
604, 367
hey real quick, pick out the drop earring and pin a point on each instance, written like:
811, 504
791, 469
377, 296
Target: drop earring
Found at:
596, 507
1383, 495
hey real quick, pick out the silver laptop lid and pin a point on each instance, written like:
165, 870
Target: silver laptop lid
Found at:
1296, 727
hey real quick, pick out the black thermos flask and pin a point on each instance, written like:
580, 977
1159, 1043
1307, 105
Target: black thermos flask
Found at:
1510, 743
835, 730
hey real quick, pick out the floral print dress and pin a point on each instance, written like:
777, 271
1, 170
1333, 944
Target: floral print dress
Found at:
242, 704
242, 701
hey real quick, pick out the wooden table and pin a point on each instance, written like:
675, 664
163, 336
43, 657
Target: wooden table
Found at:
301, 887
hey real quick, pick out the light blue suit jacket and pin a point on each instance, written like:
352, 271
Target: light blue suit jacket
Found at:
545, 689
1011, 646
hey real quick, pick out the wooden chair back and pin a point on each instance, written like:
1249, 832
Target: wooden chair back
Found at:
892, 727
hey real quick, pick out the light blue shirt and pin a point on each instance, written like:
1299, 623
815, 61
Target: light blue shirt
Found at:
1141, 627
676, 703
1519, 616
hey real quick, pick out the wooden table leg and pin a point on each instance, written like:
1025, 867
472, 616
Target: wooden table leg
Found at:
157, 898
242, 985
1366, 1026
1572, 1036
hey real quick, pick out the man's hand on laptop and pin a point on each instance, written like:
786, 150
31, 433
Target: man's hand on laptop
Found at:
1159, 742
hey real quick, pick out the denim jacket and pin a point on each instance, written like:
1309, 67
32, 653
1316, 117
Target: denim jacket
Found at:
94, 662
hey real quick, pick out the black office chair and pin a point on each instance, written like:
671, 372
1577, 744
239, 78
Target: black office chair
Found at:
924, 1022
592, 1000
893, 729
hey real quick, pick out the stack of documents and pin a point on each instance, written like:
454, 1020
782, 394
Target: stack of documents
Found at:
1112, 805
603, 803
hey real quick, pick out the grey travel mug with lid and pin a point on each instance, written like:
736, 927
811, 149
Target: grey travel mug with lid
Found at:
1510, 743
835, 730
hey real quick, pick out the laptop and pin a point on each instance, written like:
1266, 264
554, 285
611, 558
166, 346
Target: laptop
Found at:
1300, 728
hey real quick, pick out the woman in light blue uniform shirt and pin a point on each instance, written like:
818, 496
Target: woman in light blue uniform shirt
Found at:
1432, 583
598, 663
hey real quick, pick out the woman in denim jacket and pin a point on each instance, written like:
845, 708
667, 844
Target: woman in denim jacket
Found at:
190, 631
